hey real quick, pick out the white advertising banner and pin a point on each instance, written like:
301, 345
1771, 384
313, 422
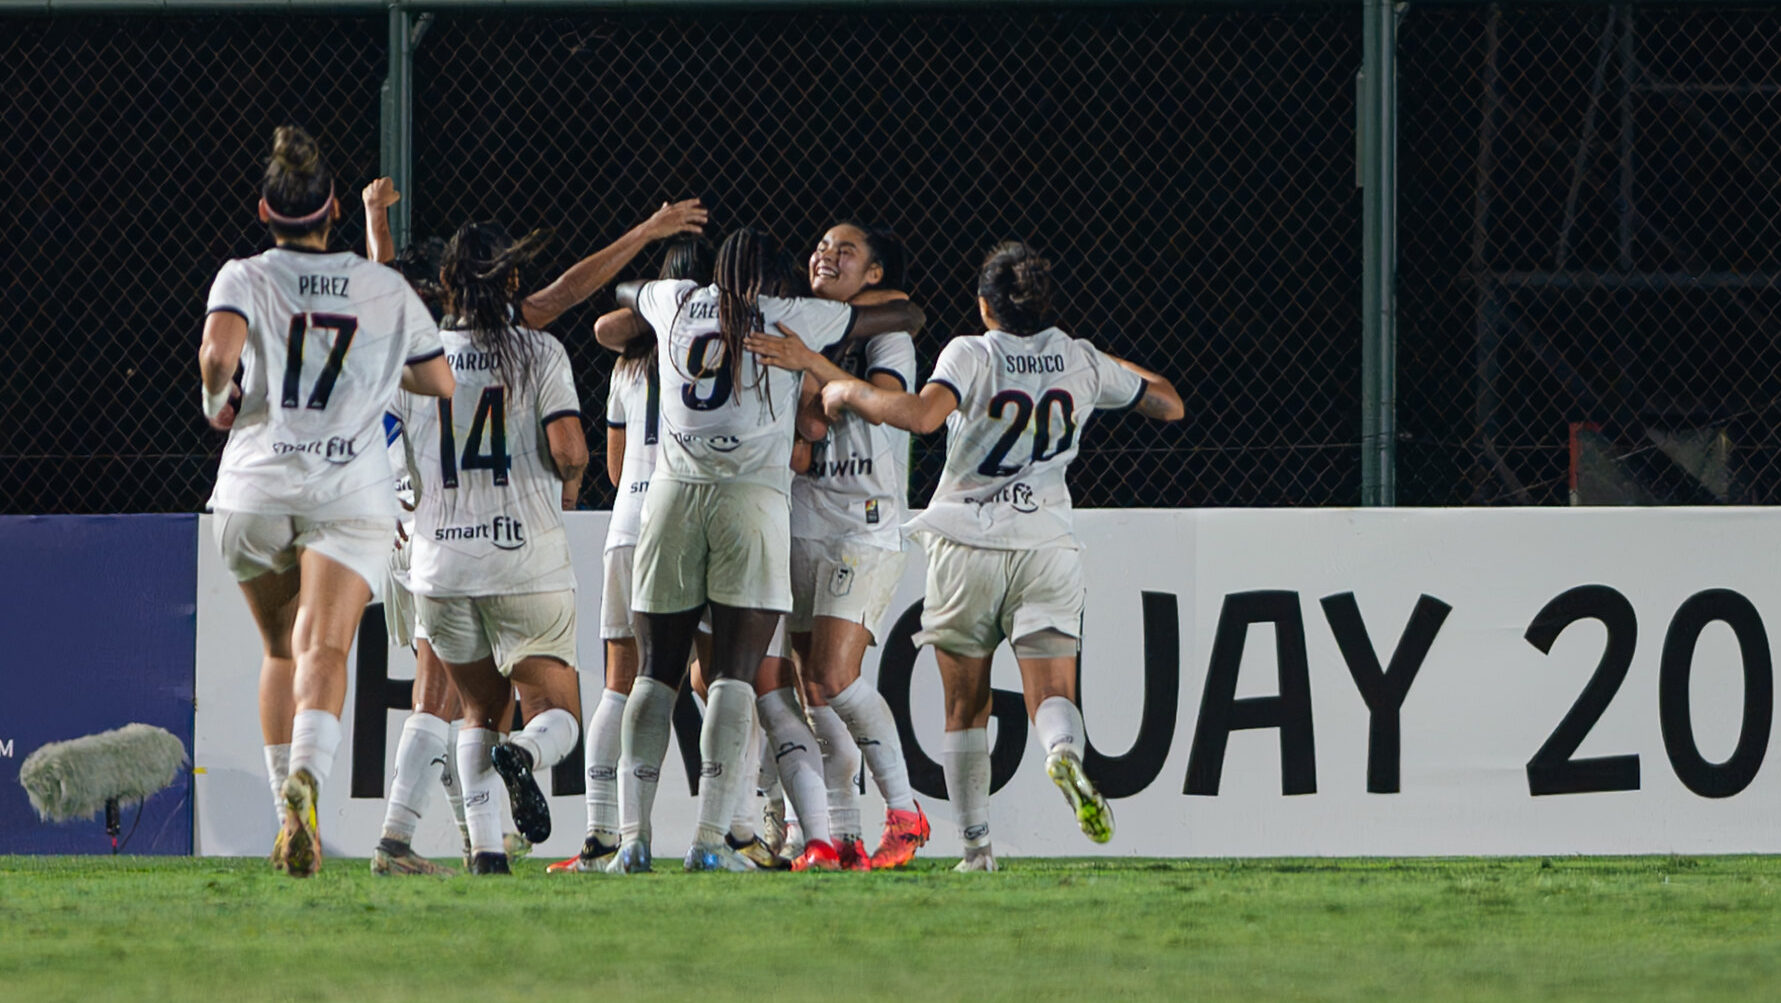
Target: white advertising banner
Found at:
1255, 683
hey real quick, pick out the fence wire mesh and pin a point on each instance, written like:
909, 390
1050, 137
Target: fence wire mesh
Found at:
136, 147
1190, 172
1591, 242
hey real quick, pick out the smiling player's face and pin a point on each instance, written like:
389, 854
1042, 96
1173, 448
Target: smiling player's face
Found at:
841, 265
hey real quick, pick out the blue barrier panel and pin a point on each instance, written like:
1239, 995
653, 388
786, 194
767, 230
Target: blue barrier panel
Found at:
98, 623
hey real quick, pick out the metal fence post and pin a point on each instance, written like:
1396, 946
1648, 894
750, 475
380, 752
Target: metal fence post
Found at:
1376, 109
397, 146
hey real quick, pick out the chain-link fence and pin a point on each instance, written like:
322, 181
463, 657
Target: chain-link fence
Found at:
1190, 171
1590, 225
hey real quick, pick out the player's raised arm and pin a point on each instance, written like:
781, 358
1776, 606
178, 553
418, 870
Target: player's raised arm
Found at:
378, 196
920, 413
597, 269
618, 328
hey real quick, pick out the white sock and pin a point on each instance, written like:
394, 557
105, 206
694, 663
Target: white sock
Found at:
967, 782
548, 738
1058, 724
643, 741
278, 766
482, 813
798, 759
874, 729
767, 777
729, 724
743, 815
600, 756
421, 747
840, 764
448, 779
315, 734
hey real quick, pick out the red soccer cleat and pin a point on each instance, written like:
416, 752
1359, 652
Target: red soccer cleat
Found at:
853, 855
817, 856
904, 833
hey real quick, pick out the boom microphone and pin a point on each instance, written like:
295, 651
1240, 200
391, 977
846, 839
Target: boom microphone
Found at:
80, 777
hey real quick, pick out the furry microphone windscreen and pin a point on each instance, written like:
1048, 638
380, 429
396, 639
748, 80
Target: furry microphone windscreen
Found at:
74, 779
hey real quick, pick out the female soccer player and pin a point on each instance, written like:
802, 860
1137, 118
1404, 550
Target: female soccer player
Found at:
304, 510
633, 427
715, 529
1003, 561
847, 550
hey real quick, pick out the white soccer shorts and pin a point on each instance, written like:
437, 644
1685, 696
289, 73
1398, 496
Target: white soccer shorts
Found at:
615, 595
843, 578
511, 628
977, 597
255, 543
724, 543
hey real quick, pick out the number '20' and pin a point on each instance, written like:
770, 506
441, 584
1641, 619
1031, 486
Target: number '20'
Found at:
1553, 770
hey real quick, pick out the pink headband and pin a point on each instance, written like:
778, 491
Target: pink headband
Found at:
314, 217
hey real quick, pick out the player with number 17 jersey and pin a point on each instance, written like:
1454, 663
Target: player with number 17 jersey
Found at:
489, 520
328, 335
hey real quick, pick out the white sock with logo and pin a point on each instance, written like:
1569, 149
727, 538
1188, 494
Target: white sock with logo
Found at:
548, 738
1058, 724
840, 765
315, 734
966, 755
600, 756
643, 741
729, 725
799, 760
448, 779
278, 766
477, 777
421, 748
743, 815
874, 729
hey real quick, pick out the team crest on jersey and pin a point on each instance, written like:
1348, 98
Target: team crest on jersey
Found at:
871, 511
841, 582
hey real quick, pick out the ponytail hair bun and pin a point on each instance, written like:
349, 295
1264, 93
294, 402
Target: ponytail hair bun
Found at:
298, 184
1016, 280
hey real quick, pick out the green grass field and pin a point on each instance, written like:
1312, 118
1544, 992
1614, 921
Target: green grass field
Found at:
1659, 928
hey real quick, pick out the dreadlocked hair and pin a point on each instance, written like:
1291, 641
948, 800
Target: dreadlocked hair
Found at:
480, 272
745, 264
297, 181
1016, 281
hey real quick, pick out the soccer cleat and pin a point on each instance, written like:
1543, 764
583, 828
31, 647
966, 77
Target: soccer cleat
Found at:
904, 833
1092, 813
716, 857
977, 859
531, 812
853, 854
399, 858
632, 858
773, 824
301, 838
277, 857
490, 863
593, 859
516, 845
817, 856
756, 851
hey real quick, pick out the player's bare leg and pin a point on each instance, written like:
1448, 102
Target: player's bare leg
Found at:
965, 681
1048, 679
601, 750
664, 642
272, 597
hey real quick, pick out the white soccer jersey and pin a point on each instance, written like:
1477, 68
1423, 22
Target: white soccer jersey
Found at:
490, 520
1022, 405
859, 473
327, 337
729, 420
634, 404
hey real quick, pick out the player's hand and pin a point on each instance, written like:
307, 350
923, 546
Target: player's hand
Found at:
785, 352
401, 532
675, 218
837, 396
381, 194
225, 419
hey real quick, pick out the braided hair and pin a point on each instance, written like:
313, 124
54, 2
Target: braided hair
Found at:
687, 257
481, 273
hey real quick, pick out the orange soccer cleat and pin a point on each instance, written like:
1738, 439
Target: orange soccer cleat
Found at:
853, 854
817, 856
904, 833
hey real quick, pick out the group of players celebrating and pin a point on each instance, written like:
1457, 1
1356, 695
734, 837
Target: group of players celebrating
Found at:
758, 436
